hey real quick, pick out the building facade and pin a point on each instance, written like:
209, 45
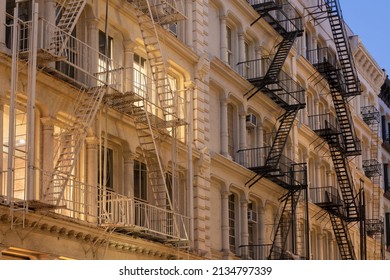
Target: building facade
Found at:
153, 129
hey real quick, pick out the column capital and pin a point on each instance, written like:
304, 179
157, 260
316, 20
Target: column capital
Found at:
92, 22
48, 122
92, 142
129, 156
130, 45
189, 85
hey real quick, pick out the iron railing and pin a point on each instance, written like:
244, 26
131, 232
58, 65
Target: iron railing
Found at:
326, 197
322, 56
287, 16
324, 123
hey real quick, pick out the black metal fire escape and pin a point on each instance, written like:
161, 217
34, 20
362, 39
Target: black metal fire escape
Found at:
339, 134
373, 170
268, 162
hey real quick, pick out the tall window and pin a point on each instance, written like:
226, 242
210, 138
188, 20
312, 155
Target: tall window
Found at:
232, 223
229, 46
105, 56
252, 229
106, 168
140, 181
231, 130
139, 75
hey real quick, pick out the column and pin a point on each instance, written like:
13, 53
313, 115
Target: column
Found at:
92, 178
241, 47
224, 126
260, 135
47, 151
244, 228
223, 43
129, 62
225, 222
242, 129
188, 24
2, 25
93, 42
128, 188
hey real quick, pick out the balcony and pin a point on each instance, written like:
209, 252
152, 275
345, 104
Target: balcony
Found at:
372, 168
386, 142
370, 115
326, 197
287, 173
322, 59
126, 214
163, 11
284, 90
324, 125
283, 17
263, 252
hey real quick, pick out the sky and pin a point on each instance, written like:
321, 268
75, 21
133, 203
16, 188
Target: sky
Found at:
371, 21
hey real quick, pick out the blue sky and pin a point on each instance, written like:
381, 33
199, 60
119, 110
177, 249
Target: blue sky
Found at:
371, 21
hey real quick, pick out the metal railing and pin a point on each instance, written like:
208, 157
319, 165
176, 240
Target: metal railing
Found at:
253, 157
284, 87
322, 56
326, 196
370, 114
325, 123
287, 170
104, 207
286, 15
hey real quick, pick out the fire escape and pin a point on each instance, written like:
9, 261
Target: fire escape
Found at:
151, 127
105, 83
269, 162
372, 169
338, 132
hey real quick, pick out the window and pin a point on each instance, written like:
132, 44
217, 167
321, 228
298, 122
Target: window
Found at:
232, 222
140, 181
105, 56
139, 75
231, 130
252, 229
229, 46
106, 169
24, 15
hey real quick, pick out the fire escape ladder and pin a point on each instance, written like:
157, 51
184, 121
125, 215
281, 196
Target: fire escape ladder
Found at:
343, 238
67, 15
289, 27
343, 48
286, 123
350, 142
150, 18
71, 141
344, 178
287, 217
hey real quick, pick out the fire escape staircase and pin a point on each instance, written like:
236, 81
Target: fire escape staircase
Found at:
340, 37
288, 217
289, 27
150, 17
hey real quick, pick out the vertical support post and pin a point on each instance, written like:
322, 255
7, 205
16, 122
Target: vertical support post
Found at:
2, 191
31, 86
14, 81
190, 174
